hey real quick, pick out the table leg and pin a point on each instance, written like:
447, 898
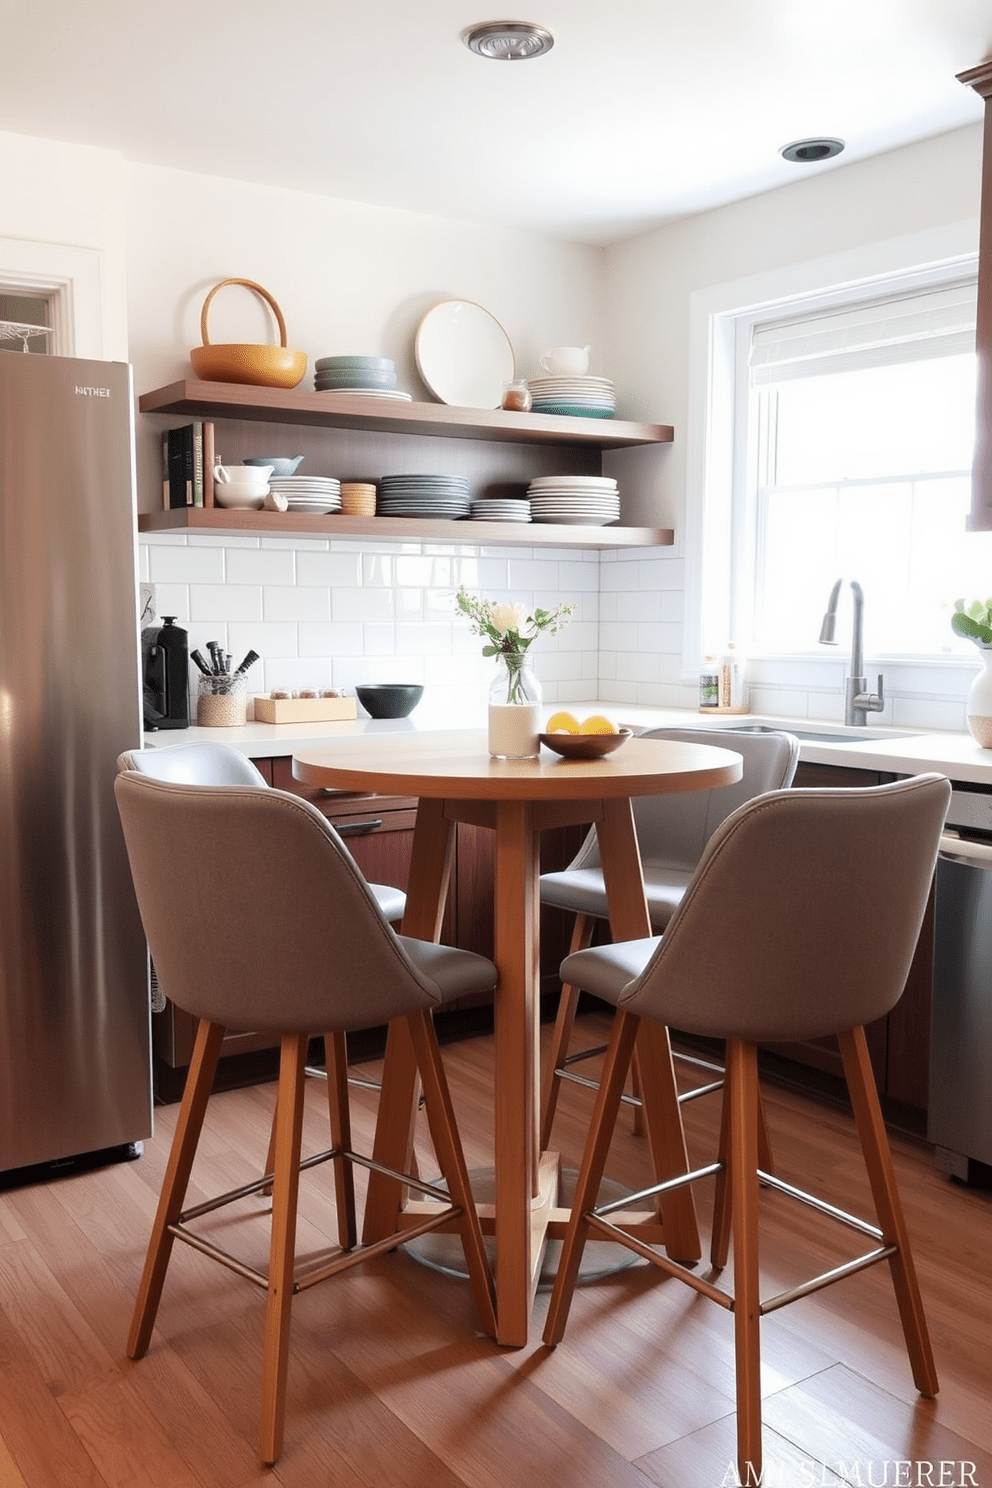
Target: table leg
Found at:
430, 872
518, 1247
629, 920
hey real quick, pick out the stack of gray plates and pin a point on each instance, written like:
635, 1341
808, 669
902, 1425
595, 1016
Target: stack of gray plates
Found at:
423, 496
361, 376
500, 509
578, 500
316, 494
583, 397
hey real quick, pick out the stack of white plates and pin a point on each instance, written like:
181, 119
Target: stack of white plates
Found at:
584, 397
590, 500
500, 509
308, 493
396, 394
423, 496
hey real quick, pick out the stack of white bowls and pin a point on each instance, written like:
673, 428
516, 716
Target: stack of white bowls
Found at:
242, 487
583, 397
577, 500
358, 377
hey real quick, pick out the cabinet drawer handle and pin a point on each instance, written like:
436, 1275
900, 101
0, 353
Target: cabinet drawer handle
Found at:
356, 829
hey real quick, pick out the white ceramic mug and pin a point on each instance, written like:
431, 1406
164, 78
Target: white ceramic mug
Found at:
567, 361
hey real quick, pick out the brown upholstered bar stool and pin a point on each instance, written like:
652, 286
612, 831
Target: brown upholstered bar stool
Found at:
256, 915
819, 895
672, 831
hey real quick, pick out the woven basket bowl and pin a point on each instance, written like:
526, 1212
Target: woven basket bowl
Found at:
261, 366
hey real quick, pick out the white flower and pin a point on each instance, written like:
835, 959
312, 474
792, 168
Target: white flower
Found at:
507, 617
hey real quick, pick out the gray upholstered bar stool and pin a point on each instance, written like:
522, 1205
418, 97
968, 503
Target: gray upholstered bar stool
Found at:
819, 895
220, 764
672, 831
255, 912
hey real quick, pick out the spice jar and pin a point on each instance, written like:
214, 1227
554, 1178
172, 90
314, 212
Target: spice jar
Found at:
516, 396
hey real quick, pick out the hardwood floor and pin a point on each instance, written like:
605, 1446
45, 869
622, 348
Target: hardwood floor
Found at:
392, 1386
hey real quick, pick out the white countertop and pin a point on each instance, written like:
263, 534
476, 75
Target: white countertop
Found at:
898, 752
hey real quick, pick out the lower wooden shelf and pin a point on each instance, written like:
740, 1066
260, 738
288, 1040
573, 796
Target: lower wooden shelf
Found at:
506, 534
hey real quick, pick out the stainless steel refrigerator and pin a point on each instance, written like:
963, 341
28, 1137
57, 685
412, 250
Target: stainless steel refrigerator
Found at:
74, 1006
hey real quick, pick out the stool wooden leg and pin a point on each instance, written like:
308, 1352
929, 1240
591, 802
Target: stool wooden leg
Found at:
604, 1119
561, 1037
451, 1160
339, 1112
282, 1250
742, 1154
196, 1094
888, 1206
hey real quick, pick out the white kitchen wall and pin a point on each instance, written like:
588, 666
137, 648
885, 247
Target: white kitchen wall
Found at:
335, 613
650, 280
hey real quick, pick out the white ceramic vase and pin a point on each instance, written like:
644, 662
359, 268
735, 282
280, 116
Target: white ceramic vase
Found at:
514, 711
979, 707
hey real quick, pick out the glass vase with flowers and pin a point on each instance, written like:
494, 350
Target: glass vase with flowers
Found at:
515, 695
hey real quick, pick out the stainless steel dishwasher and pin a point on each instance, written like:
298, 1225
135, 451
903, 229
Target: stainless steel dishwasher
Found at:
959, 1121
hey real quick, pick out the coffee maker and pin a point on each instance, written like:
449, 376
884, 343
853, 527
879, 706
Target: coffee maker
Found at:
165, 675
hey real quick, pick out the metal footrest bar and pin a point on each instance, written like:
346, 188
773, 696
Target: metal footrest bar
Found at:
312, 1271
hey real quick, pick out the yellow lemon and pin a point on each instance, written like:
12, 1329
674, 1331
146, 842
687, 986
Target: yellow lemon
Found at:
562, 723
597, 724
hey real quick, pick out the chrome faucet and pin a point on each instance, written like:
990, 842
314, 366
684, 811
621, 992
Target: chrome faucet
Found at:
858, 701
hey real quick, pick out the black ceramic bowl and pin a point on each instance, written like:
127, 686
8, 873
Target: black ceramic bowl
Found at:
390, 699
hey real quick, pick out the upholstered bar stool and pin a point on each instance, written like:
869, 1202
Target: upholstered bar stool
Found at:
256, 913
672, 831
819, 895
220, 764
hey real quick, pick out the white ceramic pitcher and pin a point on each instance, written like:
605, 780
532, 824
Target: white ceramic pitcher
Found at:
567, 361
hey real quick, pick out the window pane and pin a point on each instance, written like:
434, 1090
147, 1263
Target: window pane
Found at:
896, 420
869, 478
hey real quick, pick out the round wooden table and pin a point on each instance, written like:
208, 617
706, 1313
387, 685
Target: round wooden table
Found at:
456, 780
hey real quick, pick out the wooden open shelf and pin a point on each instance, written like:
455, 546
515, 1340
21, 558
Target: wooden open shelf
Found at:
239, 404
232, 400
405, 529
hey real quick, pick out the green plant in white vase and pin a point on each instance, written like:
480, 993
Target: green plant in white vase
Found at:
974, 621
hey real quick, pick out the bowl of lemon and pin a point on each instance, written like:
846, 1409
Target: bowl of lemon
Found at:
593, 738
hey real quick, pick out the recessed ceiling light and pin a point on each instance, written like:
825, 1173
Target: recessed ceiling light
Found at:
508, 41
809, 151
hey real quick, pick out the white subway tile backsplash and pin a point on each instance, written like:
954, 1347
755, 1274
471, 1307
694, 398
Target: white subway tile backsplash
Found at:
221, 602
186, 565
363, 604
260, 566
335, 570
298, 602
333, 612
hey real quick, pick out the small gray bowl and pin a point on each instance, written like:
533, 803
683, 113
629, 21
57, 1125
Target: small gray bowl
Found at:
281, 464
389, 699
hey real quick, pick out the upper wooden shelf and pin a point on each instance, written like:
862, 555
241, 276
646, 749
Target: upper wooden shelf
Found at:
420, 529
329, 410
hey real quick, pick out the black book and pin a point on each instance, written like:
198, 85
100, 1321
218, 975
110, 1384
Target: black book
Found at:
181, 466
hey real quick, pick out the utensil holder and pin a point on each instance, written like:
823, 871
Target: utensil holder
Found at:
222, 701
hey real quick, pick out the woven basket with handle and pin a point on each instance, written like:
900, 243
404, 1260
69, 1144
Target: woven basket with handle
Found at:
263, 366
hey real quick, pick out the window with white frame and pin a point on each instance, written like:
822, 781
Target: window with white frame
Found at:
854, 420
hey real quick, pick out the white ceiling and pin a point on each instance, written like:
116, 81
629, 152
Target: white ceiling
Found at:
644, 111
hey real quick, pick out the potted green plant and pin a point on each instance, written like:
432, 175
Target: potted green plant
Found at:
974, 621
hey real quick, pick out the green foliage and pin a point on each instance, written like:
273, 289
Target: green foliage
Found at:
973, 621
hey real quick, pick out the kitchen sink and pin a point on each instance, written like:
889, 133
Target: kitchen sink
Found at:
841, 734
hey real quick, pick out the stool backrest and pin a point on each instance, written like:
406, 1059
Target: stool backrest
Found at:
802, 916
672, 830
256, 914
194, 764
